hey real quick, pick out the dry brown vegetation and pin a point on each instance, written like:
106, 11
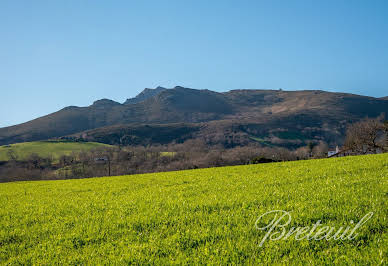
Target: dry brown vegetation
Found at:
212, 150
191, 154
367, 136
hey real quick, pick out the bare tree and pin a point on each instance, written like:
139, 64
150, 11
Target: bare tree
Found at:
12, 155
320, 150
368, 135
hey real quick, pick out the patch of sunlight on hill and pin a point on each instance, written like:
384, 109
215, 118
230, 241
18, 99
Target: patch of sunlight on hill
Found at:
53, 149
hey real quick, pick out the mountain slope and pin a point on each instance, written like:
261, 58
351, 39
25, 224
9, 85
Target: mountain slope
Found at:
288, 110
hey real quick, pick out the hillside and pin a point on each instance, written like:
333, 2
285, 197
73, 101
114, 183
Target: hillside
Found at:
46, 149
293, 111
202, 216
288, 132
141, 134
286, 119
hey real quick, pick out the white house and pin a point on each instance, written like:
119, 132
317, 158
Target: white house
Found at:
333, 152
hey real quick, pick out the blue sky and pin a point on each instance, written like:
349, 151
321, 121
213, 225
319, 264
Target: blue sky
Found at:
59, 53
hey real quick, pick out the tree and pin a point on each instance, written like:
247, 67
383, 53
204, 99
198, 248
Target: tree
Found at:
320, 150
35, 161
368, 135
12, 155
385, 127
84, 159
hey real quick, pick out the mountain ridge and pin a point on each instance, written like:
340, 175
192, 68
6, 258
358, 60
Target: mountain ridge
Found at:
307, 109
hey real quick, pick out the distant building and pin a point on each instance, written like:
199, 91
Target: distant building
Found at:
348, 151
101, 159
333, 152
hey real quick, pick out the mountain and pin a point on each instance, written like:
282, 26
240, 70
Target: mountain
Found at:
268, 116
144, 95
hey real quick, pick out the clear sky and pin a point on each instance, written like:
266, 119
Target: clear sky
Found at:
59, 53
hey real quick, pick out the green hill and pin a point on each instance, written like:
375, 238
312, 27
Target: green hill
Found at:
46, 148
204, 216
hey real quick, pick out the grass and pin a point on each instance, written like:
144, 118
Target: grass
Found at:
168, 153
289, 135
46, 148
198, 216
261, 140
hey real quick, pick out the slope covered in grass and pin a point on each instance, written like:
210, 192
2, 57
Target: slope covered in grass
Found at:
46, 148
198, 216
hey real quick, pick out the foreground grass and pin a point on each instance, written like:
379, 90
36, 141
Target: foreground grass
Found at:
53, 149
198, 216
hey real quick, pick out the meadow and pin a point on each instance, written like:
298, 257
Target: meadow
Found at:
198, 216
46, 149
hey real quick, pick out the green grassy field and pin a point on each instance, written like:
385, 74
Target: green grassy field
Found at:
198, 216
46, 148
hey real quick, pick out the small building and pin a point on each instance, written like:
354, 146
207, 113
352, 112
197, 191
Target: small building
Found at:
331, 153
101, 159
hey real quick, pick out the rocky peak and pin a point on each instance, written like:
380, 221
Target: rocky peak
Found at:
105, 103
144, 95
